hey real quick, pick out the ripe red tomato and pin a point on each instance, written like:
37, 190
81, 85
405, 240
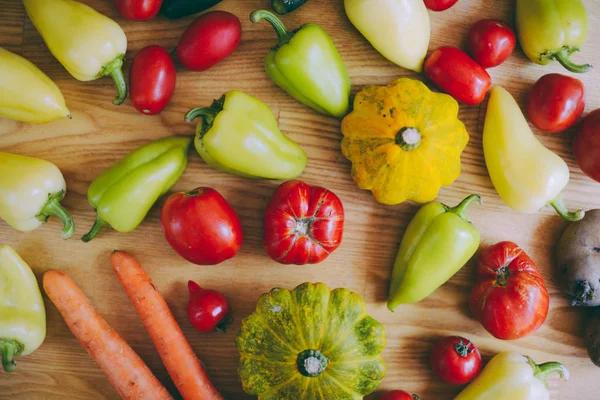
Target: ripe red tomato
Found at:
208, 310
586, 146
555, 102
455, 360
439, 5
509, 297
399, 395
152, 80
201, 226
457, 74
209, 40
491, 42
303, 223
138, 10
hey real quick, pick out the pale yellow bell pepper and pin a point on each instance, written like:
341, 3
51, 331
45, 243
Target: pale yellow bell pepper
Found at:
526, 175
30, 192
88, 44
399, 30
26, 93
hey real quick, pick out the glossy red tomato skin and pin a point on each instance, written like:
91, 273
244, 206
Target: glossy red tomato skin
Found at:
152, 80
509, 307
457, 74
555, 102
209, 40
439, 5
303, 224
138, 10
491, 42
208, 310
201, 226
455, 360
586, 145
398, 395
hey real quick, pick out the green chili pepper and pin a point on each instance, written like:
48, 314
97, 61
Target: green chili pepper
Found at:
124, 193
437, 243
552, 30
307, 66
286, 6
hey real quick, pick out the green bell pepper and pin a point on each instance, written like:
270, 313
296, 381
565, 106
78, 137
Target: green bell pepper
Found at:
239, 134
306, 65
286, 6
437, 243
124, 193
552, 30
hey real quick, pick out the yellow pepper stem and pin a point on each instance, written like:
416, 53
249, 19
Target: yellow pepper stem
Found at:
10, 348
562, 210
96, 228
114, 69
53, 208
283, 35
461, 209
541, 371
562, 56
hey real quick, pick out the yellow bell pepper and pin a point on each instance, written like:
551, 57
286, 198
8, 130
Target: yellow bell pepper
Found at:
26, 93
526, 175
30, 192
512, 376
88, 44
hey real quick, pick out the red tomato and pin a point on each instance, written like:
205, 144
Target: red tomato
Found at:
586, 146
458, 75
555, 102
303, 223
201, 226
209, 39
439, 5
208, 310
491, 42
455, 360
509, 298
152, 80
399, 395
138, 10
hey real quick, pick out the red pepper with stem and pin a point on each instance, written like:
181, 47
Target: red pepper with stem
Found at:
208, 310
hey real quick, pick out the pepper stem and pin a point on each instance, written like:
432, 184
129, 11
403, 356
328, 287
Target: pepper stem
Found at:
53, 208
562, 210
461, 209
408, 138
114, 69
283, 35
208, 114
96, 228
8, 350
542, 371
562, 56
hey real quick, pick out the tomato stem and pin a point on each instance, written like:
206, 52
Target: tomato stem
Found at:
463, 349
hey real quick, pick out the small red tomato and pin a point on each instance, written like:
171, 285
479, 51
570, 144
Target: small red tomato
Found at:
208, 310
586, 146
303, 223
555, 102
399, 395
152, 80
457, 74
201, 226
455, 360
138, 10
491, 42
439, 5
209, 40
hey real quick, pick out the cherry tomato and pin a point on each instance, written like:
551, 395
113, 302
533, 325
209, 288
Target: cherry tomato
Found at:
399, 395
439, 5
152, 80
457, 74
138, 10
208, 310
509, 298
303, 224
455, 360
587, 145
201, 226
491, 42
555, 102
209, 40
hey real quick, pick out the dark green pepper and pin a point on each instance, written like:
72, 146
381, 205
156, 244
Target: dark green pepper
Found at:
182, 8
286, 6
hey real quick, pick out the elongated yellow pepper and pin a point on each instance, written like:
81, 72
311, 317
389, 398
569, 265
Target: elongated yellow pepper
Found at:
26, 93
88, 44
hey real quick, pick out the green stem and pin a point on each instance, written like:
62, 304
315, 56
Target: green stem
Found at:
53, 208
114, 69
461, 209
96, 228
408, 138
562, 210
207, 113
541, 371
562, 57
415, 397
312, 363
283, 35
8, 350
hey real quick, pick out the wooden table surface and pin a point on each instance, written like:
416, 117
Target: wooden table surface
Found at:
100, 134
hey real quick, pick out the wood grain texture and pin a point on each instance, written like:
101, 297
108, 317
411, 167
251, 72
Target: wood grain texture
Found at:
101, 133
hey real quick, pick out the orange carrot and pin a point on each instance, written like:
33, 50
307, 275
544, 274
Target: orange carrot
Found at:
124, 368
185, 369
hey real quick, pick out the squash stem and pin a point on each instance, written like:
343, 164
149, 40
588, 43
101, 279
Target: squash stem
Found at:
283, 35
312, 363
408, 138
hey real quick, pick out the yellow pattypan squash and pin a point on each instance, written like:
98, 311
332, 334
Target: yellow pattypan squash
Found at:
404, 141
